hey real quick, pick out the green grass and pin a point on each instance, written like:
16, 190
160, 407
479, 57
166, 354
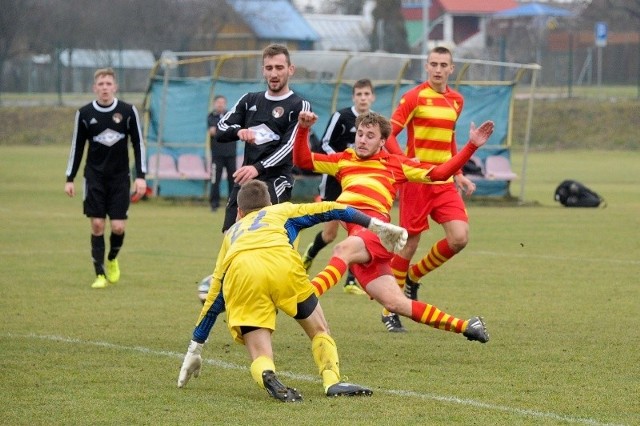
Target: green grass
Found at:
592, 92
558, 288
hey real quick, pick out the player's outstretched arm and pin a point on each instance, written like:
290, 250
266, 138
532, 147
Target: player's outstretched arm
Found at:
477, 137
302, 157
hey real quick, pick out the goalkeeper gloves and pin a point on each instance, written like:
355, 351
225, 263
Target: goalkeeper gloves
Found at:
192, 363
392, 237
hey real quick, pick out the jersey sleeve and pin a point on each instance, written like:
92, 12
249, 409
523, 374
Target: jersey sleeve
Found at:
231, 123
302, 156
415, 172
330, 133
78, 141
221, 262
404, 112
400, 118
310, 214
137, 141
283, 154
454, 145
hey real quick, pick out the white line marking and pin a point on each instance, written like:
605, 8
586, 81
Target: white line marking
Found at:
314, 379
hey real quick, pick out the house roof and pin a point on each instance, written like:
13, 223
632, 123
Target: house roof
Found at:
533, 9
274, 19
340, 32
413, 11
476, 7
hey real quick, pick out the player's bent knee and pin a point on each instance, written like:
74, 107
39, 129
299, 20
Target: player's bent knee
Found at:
328, 237
346, 249
458, 245
306, 307
399, 305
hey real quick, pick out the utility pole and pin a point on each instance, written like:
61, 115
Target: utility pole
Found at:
426, 4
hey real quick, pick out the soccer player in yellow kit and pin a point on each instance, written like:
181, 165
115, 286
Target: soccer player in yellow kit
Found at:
262, 274
370, 178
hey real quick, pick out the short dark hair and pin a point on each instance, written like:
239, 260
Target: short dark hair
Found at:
219, 97
374, 119
442, 50
253, 195
363, 82
276, 49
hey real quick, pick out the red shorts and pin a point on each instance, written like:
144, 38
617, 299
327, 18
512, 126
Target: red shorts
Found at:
418, 201
380, 257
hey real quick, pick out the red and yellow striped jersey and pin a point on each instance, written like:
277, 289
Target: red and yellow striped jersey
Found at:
430, 119
370, 185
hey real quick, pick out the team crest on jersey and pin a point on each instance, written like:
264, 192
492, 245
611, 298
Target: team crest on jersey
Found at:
117, 117
277, 112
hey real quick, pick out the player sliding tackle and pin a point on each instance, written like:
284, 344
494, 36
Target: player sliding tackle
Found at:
370, 178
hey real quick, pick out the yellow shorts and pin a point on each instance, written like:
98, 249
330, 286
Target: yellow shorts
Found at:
258, 283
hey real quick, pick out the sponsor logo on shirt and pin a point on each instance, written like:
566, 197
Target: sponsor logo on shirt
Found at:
108, 137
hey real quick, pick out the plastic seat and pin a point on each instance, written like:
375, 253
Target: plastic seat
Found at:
498, 167
191, 166
474, 169
162, 166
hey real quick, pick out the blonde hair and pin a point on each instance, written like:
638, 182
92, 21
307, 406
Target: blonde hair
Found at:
253, 195
104, 71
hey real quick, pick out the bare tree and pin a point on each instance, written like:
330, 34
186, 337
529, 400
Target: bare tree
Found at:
200, 22
389, 32
623, 14
343, 7
14, 26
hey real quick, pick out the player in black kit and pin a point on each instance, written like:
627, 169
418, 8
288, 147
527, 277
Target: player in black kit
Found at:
107, 124
223, 155
265, 121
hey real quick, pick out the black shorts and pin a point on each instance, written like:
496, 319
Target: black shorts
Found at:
330, 189
104, 198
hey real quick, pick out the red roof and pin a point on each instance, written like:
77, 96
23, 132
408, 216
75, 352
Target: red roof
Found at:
457, 7
476, 7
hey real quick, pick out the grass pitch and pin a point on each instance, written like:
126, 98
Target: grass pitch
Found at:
558, 288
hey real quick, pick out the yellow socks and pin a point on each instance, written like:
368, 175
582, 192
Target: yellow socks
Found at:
259, 365
325, 354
